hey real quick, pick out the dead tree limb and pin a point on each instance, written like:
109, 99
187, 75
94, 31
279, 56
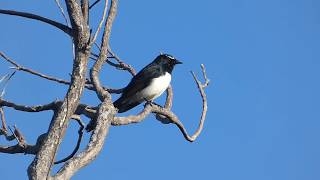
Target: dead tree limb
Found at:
168, 114
21, 146
104, 14
168, 105
105, 115
122, 65
4, 129
102, 116
20, 107
58, 25
80, 135
93, 4
85, 10
94, 71
41, 166
62, 12
19, 67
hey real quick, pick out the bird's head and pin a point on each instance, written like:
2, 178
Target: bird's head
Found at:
167, 62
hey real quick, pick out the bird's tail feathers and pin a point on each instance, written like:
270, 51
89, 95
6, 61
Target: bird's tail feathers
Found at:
124, 105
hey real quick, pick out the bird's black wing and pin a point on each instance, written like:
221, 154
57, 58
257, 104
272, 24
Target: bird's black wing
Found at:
129, 97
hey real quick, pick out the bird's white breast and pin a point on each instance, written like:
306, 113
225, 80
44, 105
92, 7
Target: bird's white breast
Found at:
156, 87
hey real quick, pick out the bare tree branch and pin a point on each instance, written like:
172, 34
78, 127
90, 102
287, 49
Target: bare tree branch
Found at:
119, 121
85, 10
80, 134
93, 4
4, 129
38, 108
166, 112
76, 17
94, 72
19, 136
19, 67
58, 25
84, 109
122, 64
101, 22
28, 149
62, 12
105, 115
25, 149
41, 166
16, 134
4, 124
168, 105
66, 21
21, 147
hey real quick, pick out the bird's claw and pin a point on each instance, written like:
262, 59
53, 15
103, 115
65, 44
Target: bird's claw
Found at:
150, 102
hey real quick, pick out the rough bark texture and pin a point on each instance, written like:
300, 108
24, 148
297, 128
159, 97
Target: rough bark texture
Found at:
42, 163
102, 116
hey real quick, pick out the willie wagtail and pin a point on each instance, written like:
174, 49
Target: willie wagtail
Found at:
148, 84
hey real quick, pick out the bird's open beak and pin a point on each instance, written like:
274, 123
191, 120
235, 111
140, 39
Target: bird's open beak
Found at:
177, 62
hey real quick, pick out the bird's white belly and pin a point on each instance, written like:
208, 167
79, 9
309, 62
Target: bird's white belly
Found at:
156, 87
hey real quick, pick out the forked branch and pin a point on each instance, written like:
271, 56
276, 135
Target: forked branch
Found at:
19, 67
94, 71
21, 146
121, 64
166, 112
100, 23
93, 4
80, 135
105, 114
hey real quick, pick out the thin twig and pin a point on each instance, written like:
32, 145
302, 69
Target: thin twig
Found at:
67, 23
100, 23
5, 80
3, 120
117, 121
21, 68
58, 25
122, 64
62, 12
92, 5
95, 70
84, 109
80, 135
4, 129
20, 138
88, 84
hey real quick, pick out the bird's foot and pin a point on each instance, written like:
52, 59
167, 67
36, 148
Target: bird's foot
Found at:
150, 102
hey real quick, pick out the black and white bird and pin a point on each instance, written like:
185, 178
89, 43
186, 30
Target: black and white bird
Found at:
148, 84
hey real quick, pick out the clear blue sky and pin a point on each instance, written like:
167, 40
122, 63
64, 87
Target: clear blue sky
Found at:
263, 61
